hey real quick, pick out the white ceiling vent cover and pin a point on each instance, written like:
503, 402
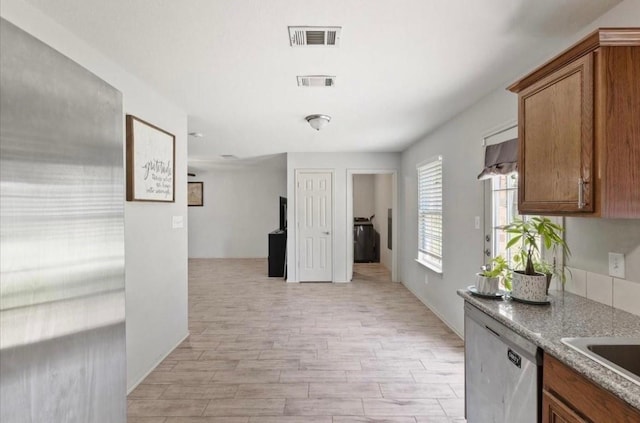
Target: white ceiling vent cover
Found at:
302, 36
316, 81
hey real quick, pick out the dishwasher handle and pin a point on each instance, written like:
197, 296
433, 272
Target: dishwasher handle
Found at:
492, 331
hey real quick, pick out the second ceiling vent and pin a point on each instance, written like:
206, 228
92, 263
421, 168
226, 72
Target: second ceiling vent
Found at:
316, 81
300, 36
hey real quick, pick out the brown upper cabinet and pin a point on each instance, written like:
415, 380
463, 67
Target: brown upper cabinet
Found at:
579, 129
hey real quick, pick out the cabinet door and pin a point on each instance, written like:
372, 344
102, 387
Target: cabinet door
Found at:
617, 130
556, 142
554, 411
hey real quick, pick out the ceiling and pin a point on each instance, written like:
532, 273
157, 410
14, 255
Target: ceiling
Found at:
403, 67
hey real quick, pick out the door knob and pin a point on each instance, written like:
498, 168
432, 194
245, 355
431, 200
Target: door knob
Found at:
326, 232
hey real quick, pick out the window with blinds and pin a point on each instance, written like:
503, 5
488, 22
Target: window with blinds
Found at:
430, 214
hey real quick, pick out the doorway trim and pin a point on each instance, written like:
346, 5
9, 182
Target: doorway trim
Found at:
394, 224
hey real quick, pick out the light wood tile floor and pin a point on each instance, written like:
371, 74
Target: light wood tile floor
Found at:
262, 351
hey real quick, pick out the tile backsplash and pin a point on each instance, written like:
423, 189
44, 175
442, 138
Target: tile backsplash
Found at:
618, 293
626, 295
600, 288
576, 282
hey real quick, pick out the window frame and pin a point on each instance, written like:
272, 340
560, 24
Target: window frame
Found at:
429, 258
510, 191
489, 207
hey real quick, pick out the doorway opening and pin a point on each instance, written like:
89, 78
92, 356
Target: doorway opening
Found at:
371, 203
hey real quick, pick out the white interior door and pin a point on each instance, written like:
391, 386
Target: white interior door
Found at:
314, 218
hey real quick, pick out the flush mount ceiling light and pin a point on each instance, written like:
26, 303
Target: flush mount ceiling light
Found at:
318, 122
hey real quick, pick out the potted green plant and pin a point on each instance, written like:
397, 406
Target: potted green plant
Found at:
488, 281
530, 282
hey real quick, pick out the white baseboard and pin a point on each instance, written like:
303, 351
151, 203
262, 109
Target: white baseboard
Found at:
434, 311
139, 381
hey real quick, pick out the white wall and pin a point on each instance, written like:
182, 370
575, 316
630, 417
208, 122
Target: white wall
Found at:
241, 206
339, 163
459, 142
155, 254
591, 241
363, 195
383, 202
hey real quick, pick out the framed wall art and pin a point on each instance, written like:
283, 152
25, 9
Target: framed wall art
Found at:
151, 156
194, 194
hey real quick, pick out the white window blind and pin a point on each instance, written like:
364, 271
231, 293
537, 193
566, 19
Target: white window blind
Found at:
430, 214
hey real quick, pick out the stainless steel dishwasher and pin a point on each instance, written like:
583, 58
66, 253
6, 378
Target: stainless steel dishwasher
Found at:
503, 372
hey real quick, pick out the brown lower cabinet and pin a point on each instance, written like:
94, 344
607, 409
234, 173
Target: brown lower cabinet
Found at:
554, 410
568, 397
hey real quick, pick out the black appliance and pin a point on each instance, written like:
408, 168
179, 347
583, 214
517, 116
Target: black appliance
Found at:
364, 241
277, 252
283, 213
278, 244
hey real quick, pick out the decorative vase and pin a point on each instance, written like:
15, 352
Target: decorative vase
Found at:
487, 286
529, 287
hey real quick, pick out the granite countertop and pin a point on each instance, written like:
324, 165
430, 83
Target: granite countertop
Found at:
568, 316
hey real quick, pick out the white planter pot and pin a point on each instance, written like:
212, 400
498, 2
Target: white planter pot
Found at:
485, 285
529, 287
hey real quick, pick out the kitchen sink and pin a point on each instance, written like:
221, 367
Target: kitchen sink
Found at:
622, 355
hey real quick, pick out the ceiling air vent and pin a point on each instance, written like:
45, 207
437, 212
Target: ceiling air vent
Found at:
300, 36
316, 81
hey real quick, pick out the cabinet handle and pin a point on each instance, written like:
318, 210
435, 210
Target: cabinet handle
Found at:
581, 203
